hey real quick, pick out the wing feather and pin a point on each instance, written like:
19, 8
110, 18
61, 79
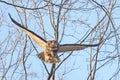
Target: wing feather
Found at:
39, 40
72, 47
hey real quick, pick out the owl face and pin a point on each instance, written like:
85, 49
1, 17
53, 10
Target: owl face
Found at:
52, 45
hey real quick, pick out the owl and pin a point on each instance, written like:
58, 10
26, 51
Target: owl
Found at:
51, 47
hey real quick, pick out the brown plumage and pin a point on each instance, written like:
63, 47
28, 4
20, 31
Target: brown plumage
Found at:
52, 47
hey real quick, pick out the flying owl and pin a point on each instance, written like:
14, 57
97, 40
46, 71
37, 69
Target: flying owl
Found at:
52, 47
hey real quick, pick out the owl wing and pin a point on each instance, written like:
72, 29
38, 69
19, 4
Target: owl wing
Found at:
73, 47
39, 40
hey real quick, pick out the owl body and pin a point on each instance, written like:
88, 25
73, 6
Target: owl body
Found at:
50, 53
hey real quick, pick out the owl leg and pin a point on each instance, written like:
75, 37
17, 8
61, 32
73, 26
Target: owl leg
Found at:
56, 58
49, 57
46, 57
53, 57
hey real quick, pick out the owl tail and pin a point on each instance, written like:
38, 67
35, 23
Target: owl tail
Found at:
41, 56
48, 58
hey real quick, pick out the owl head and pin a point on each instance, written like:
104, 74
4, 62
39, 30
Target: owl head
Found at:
52, 45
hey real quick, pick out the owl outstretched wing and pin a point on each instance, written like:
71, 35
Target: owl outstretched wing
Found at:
73, 47
39, 40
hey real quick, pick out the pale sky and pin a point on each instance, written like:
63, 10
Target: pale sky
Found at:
76, 67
